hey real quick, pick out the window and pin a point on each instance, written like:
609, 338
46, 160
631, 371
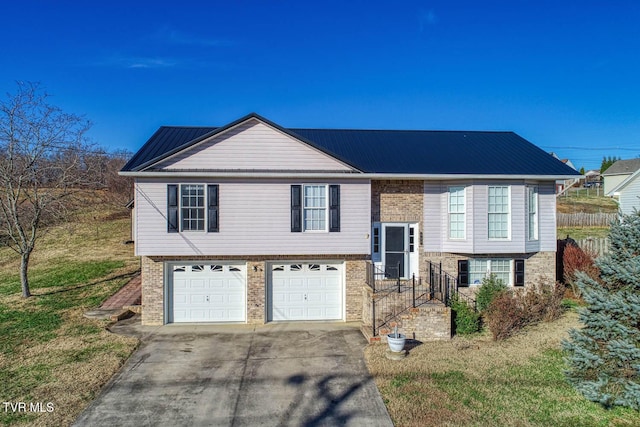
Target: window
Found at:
190, 209
481, 268
315, 208
456, 213
498, 212
532, 209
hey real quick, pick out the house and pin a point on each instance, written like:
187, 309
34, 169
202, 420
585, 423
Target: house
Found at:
563, 185
253, 222
628, 194
618, 172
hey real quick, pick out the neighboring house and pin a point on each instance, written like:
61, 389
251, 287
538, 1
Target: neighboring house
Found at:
618, 172
252, 222
628, 193
563, 185
592, 178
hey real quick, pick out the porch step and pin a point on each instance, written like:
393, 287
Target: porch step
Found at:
367, 331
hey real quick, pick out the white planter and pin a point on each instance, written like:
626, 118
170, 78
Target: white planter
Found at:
396, 342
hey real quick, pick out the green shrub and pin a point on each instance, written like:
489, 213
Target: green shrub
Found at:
491, 287
467, 321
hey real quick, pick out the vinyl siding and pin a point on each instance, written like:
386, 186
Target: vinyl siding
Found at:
254, 219
612, 181
477, 242
253, 146
433, 218
630, 197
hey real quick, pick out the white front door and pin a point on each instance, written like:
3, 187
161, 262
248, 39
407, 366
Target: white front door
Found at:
208, 292
305, 291
397, 249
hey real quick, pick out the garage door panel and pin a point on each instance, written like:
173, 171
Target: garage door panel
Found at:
308, 291
208, 293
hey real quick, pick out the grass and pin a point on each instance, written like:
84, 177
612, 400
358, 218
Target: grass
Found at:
585, 200
49, 352
578, 233
477, 382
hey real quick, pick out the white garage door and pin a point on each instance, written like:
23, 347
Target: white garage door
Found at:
305, 291
208, 292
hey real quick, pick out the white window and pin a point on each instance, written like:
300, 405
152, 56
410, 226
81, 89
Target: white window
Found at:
481, 268
532, 209
499, 212
315, 207
192, 207
456, 212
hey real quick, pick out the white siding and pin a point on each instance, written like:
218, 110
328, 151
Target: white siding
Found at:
612, 181
253, 146
433, 217
255, 219
436, 237
546, 217
630, 196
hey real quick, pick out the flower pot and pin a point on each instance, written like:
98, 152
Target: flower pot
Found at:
396, 342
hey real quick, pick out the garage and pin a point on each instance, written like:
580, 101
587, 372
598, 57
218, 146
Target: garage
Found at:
208, 292
305, 291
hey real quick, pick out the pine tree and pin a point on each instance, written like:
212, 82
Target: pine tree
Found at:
604, 356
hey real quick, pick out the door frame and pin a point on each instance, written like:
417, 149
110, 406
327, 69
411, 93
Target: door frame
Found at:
411, 258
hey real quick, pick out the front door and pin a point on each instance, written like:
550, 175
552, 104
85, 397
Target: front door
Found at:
395, 251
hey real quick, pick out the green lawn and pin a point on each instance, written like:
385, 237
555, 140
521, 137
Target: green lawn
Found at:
49, 352
478, 382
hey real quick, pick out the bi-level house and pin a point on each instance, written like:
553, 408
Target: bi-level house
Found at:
253, 222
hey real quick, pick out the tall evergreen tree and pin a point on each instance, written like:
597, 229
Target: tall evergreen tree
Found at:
604, 356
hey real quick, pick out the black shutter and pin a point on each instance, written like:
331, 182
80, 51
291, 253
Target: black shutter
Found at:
296, 208
334, 208
518, 274
212, 208
463, 273
172, 208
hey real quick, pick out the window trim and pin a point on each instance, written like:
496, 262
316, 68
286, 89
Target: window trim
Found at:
535, 236
463, 213
326, 208
181, 207
488, 271
508, 213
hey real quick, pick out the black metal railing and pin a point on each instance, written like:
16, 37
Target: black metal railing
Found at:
393, 296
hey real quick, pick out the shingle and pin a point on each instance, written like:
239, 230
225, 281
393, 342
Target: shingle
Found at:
623, 166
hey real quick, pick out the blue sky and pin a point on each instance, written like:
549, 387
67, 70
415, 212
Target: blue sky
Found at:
563, 74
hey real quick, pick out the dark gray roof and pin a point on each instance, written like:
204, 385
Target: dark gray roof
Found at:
622, 167
388, 151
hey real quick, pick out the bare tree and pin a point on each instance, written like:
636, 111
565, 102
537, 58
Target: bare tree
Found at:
41, 166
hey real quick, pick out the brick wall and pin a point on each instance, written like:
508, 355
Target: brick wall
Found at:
152, 291
153, 284
539, 267
397, 201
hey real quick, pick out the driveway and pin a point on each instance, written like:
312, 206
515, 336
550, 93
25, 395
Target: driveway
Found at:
304, 374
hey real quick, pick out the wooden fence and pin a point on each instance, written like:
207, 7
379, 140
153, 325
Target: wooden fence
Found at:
582, 219
596, 246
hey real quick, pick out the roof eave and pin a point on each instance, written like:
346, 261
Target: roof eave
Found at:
343, 175
228, 127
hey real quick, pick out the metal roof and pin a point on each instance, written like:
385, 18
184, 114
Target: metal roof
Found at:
387, 151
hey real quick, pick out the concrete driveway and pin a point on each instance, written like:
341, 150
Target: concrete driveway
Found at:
305, 374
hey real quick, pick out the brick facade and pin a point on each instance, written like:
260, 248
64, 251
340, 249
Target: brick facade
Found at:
397, 201
153, 298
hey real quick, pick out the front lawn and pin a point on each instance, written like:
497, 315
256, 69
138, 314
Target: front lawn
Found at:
50, 355
479, 382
